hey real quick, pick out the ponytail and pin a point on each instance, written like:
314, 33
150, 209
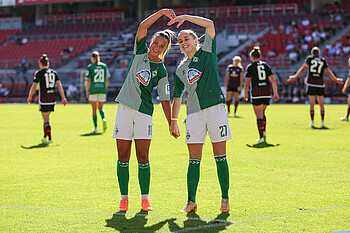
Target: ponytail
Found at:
256, 53
96, 55
44, 60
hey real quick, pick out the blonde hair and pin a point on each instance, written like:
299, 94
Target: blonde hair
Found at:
315, 51
256, 53
167, 34
194, 36
239, 59
96, 55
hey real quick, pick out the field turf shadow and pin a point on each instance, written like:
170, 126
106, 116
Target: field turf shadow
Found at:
90, 134
321, 128
260, 145
40, 145
135, 224
195, 224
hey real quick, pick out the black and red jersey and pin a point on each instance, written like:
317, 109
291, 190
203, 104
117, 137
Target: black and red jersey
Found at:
47, 81
260, 86
316, 67
234, 75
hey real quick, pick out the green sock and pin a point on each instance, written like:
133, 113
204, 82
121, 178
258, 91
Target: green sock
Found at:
102, 113
94, 118
193, 178
223, 174
123, 176
144, 177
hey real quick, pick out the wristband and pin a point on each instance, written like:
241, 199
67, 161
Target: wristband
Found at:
174, 119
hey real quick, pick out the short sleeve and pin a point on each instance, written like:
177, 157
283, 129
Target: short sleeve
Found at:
88, 73
36, 77
307, 62
268, 70
108, 75
228, 68
163, 89
179, 88
56, 76
249, 71
325, 63
140, 47
209, 45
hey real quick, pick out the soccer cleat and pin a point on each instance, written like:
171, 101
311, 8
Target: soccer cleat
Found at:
344, 118
234, 114
48, 141
228, 113
104, 122
225, 206
264, 136
260, 140
322, 124
94, 130
190, 206
124, 204
312, 124
44, 139
145, 205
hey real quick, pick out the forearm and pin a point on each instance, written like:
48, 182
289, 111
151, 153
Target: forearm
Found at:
246, 86
107, 83
347, 82
60, 89
32, 91
203, 22
176, 108
151, 19
330, 74
299, 72
274, 84
166, 105
88, 82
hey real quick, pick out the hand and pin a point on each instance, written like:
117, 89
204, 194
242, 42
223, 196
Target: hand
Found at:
275, 97
29, 99
174, 129
343, 90
339, 81
246, 97
291, 78
64, 101
169, 13
179, 19
239, 89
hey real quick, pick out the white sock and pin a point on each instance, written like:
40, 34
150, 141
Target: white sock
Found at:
123, 197
144, 196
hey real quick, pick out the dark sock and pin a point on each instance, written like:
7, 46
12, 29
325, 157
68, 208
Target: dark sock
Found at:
94, 119
312, 114
223, 174
123, 176
144, 177
322, 115
102, 113
264, 118
193, 174
228, 105
47, 130
260, 122
347, 115
236, 105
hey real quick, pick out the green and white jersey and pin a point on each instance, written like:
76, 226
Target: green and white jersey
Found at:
142, 76
200, 77
98, 75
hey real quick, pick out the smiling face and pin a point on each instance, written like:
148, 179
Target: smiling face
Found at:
157, 47
187, 44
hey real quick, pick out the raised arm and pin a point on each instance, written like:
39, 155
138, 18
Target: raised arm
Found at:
146, 23
274, 87
299, 72
60, 89
201, 21
174, 128
332, 76
347, 82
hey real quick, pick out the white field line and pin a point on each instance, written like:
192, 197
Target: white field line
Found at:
221, 221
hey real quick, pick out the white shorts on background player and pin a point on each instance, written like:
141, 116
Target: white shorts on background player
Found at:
97, 97
212, 120
131, 124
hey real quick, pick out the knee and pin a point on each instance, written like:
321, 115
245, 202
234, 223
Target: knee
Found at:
142, 157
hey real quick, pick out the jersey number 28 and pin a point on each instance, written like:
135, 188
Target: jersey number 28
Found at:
99, 76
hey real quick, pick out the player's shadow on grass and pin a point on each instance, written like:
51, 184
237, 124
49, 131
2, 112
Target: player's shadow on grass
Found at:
135, 224
233, 117
260, 145
90, 134
195, 224
320, 128
40, 145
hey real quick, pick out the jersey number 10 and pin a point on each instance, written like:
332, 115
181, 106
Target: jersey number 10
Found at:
49, 80
99, 76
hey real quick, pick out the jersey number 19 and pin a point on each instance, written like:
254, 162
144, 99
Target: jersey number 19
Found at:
99, 76
49, 80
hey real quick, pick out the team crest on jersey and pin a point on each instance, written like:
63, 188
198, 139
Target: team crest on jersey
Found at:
193, 75
195, 59
154, 73
144, 76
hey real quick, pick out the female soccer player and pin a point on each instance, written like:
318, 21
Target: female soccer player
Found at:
198, 73
233, 82
135, 109
97, 77
260, 78
315, 82
346, 85
47, 79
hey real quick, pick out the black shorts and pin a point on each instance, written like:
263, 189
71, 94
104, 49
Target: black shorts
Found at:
265, 101
234, 89
46, 108
315, 90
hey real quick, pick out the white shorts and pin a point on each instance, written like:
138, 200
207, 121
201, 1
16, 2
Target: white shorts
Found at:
98, 97
212, 120
131, 124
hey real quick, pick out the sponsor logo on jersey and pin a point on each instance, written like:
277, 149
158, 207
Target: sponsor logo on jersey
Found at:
193, 75
188, 135
167, 89
144, 76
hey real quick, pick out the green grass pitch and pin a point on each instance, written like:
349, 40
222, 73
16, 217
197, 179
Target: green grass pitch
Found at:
298, 181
